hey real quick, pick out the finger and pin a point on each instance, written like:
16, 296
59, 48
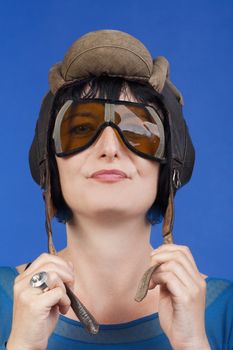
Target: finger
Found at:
147, 282
54, 271
176, 247
29, 296
172, 283
152, 284
41, 260
54, 281
55, 296
189, 282
175, 255
179, 293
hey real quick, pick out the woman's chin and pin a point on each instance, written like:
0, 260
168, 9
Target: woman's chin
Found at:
106, 214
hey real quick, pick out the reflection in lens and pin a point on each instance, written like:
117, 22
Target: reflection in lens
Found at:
138, 127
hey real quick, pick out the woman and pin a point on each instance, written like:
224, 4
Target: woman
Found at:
110, 150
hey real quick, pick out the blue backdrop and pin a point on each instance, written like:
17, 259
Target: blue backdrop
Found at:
196, 37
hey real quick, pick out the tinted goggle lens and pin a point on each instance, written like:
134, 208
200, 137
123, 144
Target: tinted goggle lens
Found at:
78, 124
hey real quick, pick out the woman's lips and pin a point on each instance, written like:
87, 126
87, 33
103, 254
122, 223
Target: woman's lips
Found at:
109, 175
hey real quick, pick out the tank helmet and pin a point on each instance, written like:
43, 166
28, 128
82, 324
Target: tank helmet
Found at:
115, 54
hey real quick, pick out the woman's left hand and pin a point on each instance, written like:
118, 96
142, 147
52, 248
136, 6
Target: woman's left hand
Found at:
182, 297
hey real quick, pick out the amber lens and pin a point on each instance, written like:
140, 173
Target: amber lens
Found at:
138, 127
79, 124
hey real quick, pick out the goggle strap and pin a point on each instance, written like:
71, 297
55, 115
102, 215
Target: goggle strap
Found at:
168, 220
160, 150
57, 126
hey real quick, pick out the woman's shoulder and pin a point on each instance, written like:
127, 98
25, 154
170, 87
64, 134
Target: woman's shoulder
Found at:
219, 312
9, 273
218, 283
219, 291
7, 277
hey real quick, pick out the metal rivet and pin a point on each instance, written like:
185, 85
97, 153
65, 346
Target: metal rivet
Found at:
176, 179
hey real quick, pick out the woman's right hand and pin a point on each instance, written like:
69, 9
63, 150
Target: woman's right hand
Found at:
35, 313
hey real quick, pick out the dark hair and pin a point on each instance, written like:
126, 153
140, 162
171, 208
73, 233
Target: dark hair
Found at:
109, 88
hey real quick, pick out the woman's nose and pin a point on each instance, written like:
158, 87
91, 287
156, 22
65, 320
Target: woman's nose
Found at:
109, 142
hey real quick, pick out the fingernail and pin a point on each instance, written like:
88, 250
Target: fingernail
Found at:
153, 252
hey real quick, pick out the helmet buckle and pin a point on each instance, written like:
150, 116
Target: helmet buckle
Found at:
176, 179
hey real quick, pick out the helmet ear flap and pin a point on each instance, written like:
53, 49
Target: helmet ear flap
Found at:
55, 77
176, 92
159, 74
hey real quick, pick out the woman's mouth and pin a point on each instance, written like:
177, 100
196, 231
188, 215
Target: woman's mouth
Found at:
111, 175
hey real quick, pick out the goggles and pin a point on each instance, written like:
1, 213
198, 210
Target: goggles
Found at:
79, 123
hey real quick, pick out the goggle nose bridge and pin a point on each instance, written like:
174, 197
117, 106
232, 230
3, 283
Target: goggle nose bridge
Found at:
118, 133
109, 115
109, 120
108, 112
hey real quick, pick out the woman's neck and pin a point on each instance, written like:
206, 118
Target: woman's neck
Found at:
109, 261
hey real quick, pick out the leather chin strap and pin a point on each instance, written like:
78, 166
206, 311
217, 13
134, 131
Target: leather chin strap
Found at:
168, 220
49, 209
144, 283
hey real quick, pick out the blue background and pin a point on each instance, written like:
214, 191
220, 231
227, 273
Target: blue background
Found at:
196, 38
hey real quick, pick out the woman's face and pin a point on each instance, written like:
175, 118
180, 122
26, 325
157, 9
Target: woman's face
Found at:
108, 196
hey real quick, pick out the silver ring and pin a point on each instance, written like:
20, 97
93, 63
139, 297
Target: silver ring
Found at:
39, 281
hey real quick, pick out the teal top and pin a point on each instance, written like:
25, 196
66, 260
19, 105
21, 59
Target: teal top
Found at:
143, 333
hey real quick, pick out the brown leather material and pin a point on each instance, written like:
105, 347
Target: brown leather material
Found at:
159, 73
176, 92
110, 52
56, 79
49, 209
143, 286
82, 313
168, 220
